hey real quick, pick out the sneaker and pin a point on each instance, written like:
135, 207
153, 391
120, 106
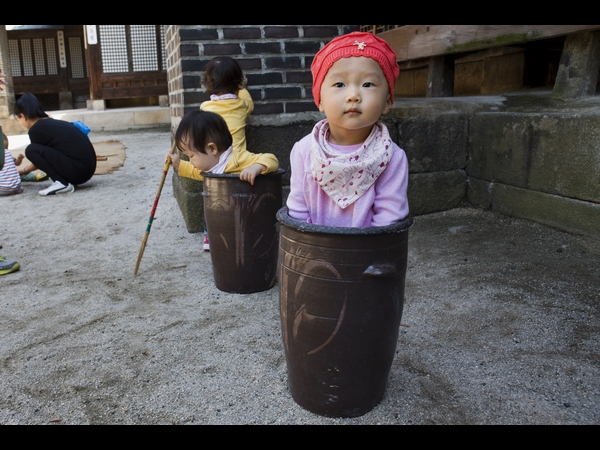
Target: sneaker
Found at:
57, 188
28, 177
8, 266
206, 245
41, 176
35, 176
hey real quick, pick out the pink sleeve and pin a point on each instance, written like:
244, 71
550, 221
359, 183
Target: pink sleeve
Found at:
391, 203
296, 202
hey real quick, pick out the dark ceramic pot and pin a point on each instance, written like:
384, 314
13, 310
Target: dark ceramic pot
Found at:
242, 230
341, 301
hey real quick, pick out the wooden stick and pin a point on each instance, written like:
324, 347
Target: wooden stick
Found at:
153, 211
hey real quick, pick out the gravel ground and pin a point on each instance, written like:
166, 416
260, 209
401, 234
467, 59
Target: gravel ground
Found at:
501, 322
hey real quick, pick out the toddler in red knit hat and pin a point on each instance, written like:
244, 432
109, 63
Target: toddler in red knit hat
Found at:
348, 172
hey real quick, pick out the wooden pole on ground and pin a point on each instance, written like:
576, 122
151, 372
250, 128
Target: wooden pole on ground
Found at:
153, 211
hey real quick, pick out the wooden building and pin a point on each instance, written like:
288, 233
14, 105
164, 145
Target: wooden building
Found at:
67, 65
49, 61
462, 60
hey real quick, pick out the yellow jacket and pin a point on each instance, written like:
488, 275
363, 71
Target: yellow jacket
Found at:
243, 160
234, 111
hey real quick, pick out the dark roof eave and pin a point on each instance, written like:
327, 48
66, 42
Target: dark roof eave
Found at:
33, 27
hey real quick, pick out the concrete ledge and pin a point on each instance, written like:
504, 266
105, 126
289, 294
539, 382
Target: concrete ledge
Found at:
433, 143
552, 152
105, 120
437, 191
117, 119
277, 139
479, 193
573, 216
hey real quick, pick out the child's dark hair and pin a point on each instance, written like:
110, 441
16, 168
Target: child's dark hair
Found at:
223, 75
198, 128
30, 107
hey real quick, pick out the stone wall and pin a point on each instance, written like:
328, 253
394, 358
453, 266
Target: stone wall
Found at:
539, 159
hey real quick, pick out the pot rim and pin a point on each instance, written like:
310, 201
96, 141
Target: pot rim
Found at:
284, 218
279, 173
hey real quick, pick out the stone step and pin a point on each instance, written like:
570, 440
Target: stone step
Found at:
105, 120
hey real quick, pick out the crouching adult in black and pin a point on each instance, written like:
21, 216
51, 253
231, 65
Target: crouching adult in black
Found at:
57, 147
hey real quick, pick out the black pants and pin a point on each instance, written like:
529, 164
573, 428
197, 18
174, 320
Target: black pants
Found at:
58, 166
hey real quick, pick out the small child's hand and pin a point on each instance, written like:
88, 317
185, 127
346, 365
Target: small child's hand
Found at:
174, 159
244, 83
250, 173
19, 159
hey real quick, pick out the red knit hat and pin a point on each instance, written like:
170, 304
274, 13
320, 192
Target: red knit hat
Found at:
354, 44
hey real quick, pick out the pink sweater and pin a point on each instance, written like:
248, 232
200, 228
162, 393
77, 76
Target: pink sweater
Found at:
384, 203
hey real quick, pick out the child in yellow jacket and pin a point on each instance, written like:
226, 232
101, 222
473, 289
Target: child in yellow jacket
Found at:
204, 137
226, 84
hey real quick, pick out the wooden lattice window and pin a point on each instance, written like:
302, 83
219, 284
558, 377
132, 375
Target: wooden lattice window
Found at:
163, 50
33, 57
114, 48
51, 57
79, 68
131, 48
38, 56
15, 60
144, 51
27, 58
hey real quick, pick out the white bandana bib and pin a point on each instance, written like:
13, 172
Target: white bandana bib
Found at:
223, 160
215, 97
346, 177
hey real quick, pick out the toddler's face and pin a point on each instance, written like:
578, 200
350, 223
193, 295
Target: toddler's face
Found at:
354, 95
202, 161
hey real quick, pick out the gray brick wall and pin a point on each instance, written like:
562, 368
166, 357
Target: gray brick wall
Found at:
275, 58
